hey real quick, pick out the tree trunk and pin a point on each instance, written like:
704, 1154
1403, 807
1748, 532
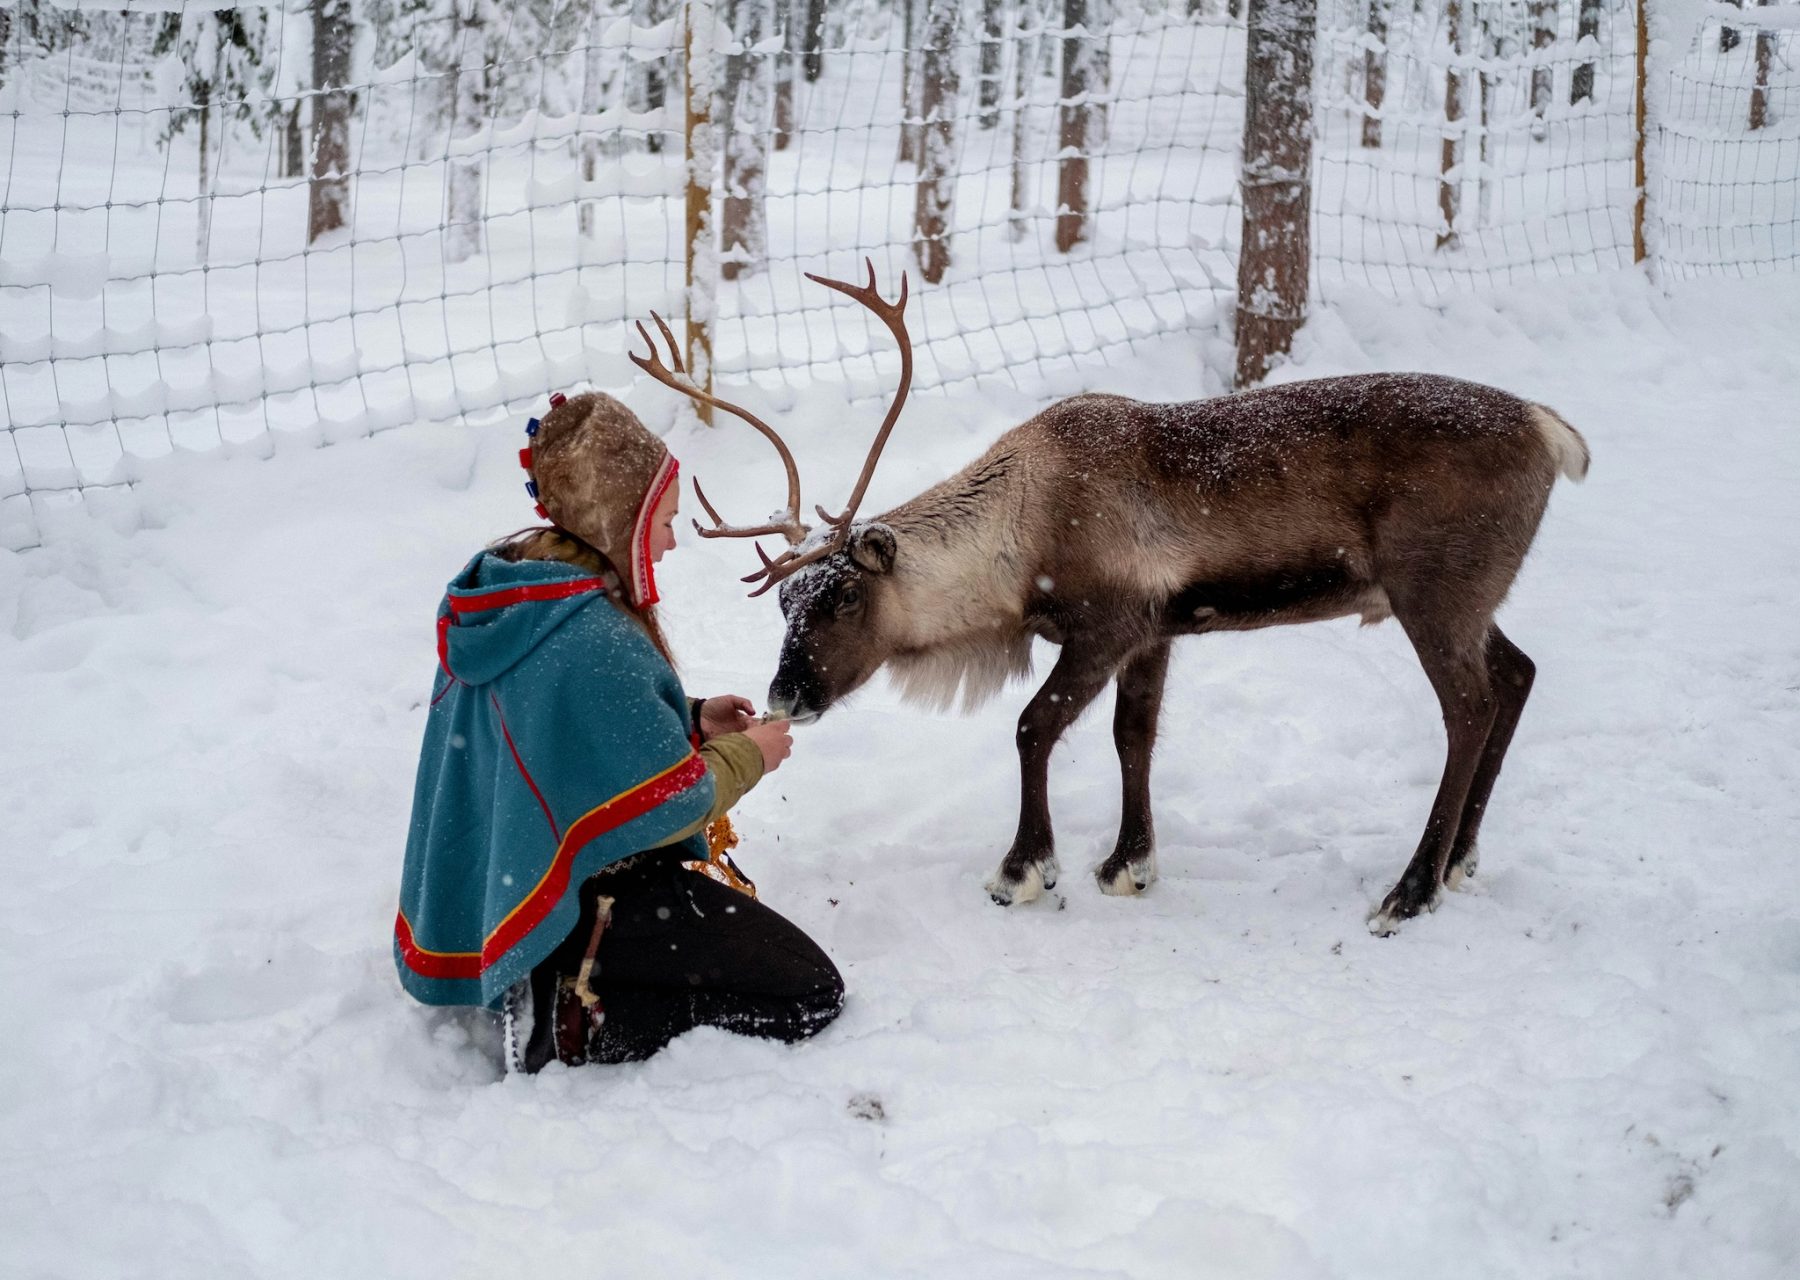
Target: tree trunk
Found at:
935, 194
744, 115
328, 194
463, 201
6, 54
912, 142
1765, 58
203, 206
1728, 36
1275, 261
1543, 36
700, 148
30, 32
1587, 26
1494, 49
593, 100
1081, 116
1456, 91
293, 141
993, 49
1025, 61
651, 78
1375, 71
813, 64
784, 71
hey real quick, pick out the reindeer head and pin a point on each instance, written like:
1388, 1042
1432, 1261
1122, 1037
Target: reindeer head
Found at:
831, 578
836, 638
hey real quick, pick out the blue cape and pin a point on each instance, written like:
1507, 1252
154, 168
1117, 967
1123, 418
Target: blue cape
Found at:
559, 741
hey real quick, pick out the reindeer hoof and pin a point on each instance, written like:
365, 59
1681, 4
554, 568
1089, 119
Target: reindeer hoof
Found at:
1031, 883
1402, 903
1128, 879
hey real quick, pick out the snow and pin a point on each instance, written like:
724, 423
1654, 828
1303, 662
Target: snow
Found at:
1585, 1064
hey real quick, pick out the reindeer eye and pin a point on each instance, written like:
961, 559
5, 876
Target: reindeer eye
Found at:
851, 596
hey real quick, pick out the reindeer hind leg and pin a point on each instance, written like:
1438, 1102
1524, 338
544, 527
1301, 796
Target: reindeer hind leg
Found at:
1132, 865
1512, 674
1452, 651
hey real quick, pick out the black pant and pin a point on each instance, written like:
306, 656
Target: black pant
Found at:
685, 951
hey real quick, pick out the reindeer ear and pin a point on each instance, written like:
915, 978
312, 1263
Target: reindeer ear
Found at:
873, 548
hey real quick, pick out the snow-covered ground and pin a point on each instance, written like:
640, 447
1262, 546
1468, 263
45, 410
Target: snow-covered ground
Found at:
1586, 1066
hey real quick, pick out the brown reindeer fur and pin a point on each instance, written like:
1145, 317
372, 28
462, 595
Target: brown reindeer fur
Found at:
1111, 526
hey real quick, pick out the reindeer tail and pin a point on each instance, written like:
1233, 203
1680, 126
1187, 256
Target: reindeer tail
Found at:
1566, 444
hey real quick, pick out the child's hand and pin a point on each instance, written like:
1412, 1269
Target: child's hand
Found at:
775, 739
726, 713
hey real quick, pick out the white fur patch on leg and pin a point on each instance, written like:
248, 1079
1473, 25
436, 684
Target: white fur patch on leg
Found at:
1028, 887
1459, 874
1135, 877
1122, 885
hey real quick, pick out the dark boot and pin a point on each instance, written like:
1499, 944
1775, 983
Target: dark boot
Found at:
544, 1021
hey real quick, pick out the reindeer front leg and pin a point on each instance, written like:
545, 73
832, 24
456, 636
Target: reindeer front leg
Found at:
1081, 671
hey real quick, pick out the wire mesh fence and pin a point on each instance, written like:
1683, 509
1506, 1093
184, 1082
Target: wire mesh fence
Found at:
1726, 129
324, 218
1474, 144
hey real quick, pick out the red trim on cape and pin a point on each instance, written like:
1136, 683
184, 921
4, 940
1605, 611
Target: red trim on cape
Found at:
483, 601
596, 822
523, 771
499, 599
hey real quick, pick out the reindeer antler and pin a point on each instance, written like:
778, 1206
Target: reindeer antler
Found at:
792, 528
792, 560
893, 315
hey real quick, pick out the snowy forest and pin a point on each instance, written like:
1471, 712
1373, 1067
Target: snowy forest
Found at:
387, 209
287, 288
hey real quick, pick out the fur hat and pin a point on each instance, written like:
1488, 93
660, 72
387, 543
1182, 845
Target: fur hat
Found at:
598, 473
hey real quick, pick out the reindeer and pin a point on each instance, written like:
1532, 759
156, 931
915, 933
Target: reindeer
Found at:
1111, 526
